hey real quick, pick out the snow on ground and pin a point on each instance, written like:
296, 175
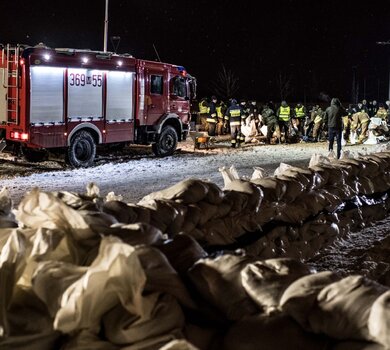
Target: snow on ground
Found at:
136, 176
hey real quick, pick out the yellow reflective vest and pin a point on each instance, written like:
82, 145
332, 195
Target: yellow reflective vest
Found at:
299, 112
203, 107
284, 113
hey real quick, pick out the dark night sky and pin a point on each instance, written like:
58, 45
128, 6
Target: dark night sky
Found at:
317, 43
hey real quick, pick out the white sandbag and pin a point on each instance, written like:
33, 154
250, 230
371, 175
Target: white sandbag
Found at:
258, 173
219, 282
281, 168
278, 332
344, 307
229, 174
300, 297
111, 196
186, 191
265, 281
379, 320
318, 159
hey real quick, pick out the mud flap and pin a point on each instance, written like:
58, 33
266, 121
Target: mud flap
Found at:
3, 144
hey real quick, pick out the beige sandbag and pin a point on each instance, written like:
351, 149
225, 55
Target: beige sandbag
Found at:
186, 191
163, 321
379, 320
7, 218
272, 188
208, 211
162, 213
292, 213
121, 211
86, 340
365, 186
214, 194
265, 281
294, 188
255, 194
219, 282
299, 299
182, 252
318, 159
282, 168
192, 218
239, 201
115, 275
356, 345
39, 209
12, 264
344, 307
51, 279
278, 332
178, 345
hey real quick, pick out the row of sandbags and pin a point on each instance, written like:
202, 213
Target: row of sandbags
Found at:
67, 284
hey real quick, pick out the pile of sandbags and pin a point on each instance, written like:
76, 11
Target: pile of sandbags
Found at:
74, 276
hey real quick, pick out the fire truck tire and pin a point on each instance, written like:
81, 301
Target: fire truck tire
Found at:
82, 150
166, 142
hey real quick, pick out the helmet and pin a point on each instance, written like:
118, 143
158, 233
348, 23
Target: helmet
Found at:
234, 101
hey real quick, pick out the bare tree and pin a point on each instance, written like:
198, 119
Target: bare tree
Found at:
284, 84
226, 84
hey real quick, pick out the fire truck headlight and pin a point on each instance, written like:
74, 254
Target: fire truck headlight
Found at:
46, 57
120, 63
85, 59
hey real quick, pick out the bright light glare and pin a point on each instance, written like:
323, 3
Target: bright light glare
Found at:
85, 59
120, 63
46, 56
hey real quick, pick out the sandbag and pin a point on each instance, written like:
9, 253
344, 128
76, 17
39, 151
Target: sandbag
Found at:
266, 280
219, 282
379, 320
272, 188
255, 194
178, 345
356, 345
277, 333
86, 340
7, 218
182, 252
299, 299
344, 307
294, 188
186, 191
214, 194
258, 173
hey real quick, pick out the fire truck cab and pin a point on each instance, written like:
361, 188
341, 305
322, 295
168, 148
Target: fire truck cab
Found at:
72, 100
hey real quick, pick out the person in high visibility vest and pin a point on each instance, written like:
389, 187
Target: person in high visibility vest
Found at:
317, 116
221, 109
284, 117
234, 114
212, 117
203, 113
299, 117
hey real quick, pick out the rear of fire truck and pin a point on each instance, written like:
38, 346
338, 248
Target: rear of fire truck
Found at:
69, 101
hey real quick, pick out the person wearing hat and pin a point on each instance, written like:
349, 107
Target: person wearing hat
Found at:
284, 116
235, 114
212, 117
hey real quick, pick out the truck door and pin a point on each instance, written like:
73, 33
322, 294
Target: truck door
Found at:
155, 95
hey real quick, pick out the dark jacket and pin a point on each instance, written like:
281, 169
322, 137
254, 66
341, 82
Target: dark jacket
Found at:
334, 114
268, 116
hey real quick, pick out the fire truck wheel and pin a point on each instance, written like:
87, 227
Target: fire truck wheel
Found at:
166, 142
82, 150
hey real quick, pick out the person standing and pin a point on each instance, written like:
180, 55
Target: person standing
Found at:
203, 113
334, 119
271, 121
235, 114
284, 117
299, 116
212, 117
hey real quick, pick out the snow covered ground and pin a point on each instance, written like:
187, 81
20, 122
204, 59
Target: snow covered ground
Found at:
135, 173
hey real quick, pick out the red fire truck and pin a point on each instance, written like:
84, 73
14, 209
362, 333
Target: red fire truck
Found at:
70, 100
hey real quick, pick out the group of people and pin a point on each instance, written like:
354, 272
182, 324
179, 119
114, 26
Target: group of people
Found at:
246, 121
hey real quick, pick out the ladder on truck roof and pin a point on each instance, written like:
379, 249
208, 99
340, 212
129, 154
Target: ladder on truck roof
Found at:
11, 81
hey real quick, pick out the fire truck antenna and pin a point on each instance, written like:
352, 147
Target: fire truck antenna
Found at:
105, 27
155, 50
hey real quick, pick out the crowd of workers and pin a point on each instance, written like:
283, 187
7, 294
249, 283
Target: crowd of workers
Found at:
247, 121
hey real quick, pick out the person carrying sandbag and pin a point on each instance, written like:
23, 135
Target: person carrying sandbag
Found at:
360, 120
